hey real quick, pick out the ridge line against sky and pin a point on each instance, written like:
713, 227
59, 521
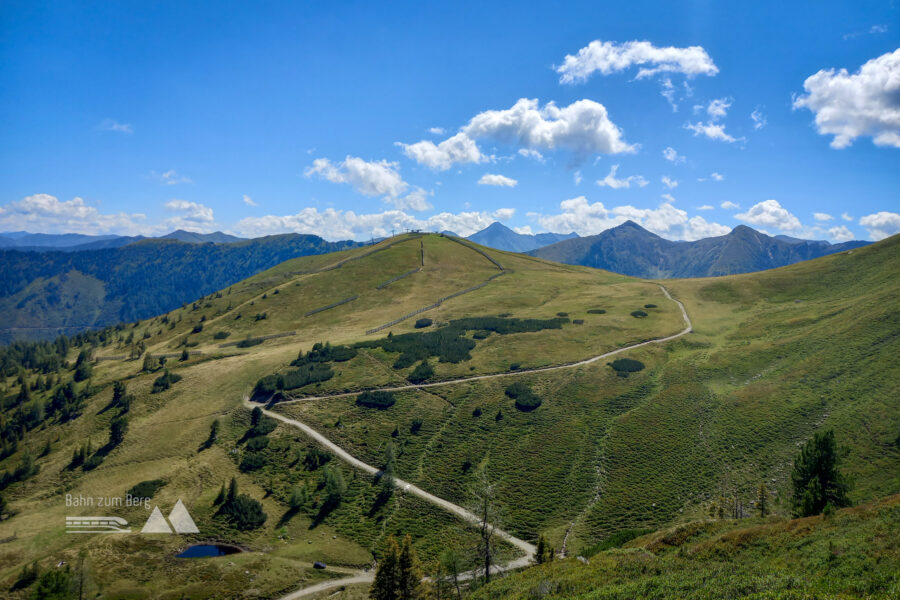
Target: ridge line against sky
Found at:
686, 130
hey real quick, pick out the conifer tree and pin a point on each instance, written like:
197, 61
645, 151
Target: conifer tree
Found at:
387, 576
816, 479
762, 500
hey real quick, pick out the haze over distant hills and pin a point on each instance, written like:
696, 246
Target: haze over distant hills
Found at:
73, 242
502, 237
630, 249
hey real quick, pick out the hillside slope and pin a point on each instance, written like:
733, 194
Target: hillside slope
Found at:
632, 250
47, 293
773, 357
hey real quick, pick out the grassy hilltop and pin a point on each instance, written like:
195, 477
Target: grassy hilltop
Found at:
774, 356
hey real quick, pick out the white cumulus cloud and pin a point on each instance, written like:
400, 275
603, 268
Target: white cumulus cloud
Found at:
711, 130
616, 184
371, 178
822, 216
669, 182
758, 118
113, 125
170, 177
457, 149
718, 109
336, 224
47, 214
612, 57
865, 103
729, 205
531, 153
672, 155
498, 180
881, 225
249, 201
581, 128
192, 216
577, 214
846, 217
840, 233
770, 213
706, 207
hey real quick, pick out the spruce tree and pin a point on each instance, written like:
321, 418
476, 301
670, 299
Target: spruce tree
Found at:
387, 575
232, 491
410, 586
762, 500
816, 479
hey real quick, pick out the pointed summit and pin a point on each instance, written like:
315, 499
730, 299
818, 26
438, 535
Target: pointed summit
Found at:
181, 520
156, 523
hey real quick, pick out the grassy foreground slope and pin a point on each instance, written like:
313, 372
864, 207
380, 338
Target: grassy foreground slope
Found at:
853, 554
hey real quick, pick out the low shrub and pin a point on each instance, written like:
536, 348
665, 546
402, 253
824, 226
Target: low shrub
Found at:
578, 321
624, 366
649, 306
422, 372
165, 381
221, 335
422, 323
260, 442
596, 311
562, 314
514, 367
481, 335
379, 400
638, 314
248, 342
252, 461
526, 399
146, 489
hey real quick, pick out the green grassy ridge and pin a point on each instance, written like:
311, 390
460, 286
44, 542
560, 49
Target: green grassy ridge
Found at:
853, 554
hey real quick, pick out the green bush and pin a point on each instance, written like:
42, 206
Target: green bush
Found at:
221, 335
578, 321
165, 381
379, 400
596, 311
562, 314
481, 335
260, 442
93, 462
422, 372
252, 461
526, 399
250, 341
626, 365
422, 323
146, 489
197, 328
290, 380
321, 353
638, 314
649, 306
244, 512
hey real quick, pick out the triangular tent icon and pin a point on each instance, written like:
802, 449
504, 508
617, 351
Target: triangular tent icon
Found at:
156, 523
181, 521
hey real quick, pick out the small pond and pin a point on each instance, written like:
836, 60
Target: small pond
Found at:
207, 550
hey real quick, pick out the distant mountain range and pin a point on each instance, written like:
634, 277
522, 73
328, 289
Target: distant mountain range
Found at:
630, 249
501, 237
43, 294
73, 242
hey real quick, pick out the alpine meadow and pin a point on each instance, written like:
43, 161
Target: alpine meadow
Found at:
449, 301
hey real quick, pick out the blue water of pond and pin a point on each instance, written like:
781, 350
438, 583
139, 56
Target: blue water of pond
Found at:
207, 550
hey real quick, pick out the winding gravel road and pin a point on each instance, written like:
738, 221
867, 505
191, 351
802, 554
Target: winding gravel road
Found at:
528, 549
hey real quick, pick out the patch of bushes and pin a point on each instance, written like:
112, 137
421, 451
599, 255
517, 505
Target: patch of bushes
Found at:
423, 323
422, 372
197, 328
221, 335
624, 366
165, 381
244, 512
250, 341
448, 342
649, 306
578, 321
257, 443
638, 314
325, 353
515, 366
315, 458
526, 399
252, 461
562, 314
481, 335
379, 400
616, 540
290, 380
596, 311
146, 489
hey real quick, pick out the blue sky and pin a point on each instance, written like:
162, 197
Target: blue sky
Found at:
350, 119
